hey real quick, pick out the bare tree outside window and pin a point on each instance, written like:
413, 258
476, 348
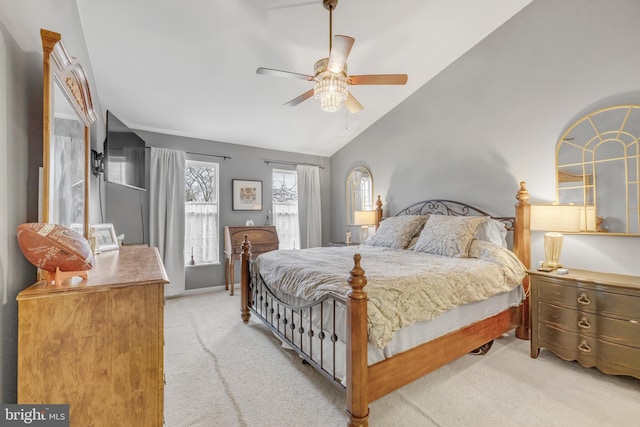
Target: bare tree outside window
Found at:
201, 213
201, 181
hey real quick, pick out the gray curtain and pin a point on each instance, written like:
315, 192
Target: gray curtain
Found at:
309, 206
166, 213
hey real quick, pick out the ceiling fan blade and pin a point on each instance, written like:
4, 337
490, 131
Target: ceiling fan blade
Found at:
352, 104
340, 49
378, 79
280, 73
295, 101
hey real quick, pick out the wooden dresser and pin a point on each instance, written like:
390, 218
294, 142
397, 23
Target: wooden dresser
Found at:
97, 344
590, 317
263, 239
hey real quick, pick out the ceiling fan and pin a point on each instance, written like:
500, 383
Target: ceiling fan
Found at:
330, 74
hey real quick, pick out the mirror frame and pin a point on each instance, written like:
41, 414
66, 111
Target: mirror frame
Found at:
61, 70
586, 182
348, 193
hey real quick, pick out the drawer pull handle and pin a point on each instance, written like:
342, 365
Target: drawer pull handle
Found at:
584, 299
584, 347
584, 323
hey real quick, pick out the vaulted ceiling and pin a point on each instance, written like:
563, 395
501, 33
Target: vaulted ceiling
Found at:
189, 68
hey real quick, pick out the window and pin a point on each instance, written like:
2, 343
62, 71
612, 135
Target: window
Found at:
201, 213
285, 208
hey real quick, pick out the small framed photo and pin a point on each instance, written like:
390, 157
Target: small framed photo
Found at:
247, 195
106, 236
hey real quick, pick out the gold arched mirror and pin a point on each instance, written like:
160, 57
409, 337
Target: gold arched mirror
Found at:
67, 114
359, 191
598, 167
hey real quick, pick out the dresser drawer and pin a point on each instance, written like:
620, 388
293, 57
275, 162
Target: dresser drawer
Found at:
589, 351
606, 328
589, 300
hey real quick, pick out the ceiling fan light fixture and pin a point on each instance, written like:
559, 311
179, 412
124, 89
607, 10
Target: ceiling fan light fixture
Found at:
331, 91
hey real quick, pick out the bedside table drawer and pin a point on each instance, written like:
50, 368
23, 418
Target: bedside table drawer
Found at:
590, 300
617, 331
589, 351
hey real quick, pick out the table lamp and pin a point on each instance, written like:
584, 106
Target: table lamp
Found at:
555, 219
365, 219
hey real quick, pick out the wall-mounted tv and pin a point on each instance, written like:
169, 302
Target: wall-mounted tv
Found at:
124, 155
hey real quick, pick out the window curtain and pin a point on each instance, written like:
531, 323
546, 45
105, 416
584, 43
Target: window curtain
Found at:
166, 213
201, 232
309, 206
286, 221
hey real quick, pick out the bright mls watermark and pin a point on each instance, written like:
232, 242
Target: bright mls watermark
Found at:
34, 415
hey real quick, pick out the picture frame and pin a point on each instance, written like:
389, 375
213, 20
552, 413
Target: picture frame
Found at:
247, 195
106, 236
77, 227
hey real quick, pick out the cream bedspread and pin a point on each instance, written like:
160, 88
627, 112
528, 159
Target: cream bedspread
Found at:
403, 287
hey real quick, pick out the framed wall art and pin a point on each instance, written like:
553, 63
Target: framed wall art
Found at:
247, 195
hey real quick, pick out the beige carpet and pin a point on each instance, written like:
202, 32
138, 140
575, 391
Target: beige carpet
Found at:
221, 372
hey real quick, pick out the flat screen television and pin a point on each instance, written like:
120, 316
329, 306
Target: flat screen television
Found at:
124, 155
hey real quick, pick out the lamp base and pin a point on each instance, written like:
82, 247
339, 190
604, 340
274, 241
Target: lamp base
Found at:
551, 264
364, 233
552, 248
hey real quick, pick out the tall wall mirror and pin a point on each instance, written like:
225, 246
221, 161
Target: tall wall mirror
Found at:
67, 114
359, 191
598, 167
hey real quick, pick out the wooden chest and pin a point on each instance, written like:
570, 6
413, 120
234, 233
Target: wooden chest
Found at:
263, 239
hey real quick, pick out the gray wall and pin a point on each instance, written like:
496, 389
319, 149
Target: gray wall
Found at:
123, 205
493, 118
21, 147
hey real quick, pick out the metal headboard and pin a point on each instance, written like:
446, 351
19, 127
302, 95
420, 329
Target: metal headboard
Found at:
452, 208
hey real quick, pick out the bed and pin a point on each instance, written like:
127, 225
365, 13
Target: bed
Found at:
368, 347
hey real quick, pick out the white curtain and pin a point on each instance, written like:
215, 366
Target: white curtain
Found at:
285, 218
201, 232
309, 206
166, 213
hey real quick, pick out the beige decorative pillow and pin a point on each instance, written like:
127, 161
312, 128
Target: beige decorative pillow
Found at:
396, 231
448, 235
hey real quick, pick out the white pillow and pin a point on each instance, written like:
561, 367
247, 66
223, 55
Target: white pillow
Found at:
493, 231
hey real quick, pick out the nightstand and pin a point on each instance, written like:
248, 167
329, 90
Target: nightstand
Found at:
336, 244
590, 317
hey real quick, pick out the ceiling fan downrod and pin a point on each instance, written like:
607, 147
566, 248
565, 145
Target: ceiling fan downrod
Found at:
330, 5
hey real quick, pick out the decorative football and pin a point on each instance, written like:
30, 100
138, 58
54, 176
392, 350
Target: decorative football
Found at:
51, 246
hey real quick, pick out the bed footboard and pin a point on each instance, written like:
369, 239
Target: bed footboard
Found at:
313, 330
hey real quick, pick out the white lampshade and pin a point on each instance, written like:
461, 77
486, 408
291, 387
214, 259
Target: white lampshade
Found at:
556, 218
364, 217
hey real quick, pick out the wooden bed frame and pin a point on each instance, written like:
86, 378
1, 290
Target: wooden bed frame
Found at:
365, 383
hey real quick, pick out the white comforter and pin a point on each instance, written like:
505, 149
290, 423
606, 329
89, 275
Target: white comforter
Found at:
404, 286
